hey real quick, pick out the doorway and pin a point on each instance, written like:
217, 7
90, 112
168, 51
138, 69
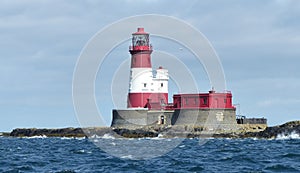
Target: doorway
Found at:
162, 119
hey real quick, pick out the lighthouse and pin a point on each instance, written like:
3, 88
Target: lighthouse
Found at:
147, 101
148, 88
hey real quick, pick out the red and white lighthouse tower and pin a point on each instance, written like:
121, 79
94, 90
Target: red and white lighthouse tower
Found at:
146, 87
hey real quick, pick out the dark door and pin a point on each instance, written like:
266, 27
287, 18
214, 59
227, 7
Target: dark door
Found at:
162, 119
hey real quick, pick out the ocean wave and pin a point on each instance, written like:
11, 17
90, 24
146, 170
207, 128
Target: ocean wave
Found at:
94, 136
36, 137
159, 137
80, 138
108, 136
66, 138
292, 135
127, 157
81, 151
105, 136
69, 138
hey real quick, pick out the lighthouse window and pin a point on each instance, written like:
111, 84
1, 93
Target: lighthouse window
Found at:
162, 84
145, 85
225, 100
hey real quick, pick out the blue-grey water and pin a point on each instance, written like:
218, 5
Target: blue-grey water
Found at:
190, 155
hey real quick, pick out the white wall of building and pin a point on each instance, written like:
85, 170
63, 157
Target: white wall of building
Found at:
142, 80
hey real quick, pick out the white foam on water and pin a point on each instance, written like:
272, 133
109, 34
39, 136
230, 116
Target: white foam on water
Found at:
107, 136
36, 137
81, 151
95, 140
80, 138
127, 157
292, 135
95, 136
68, 138
159, 137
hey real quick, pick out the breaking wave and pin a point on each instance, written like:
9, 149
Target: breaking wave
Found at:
107, 136
292, 135
36, 137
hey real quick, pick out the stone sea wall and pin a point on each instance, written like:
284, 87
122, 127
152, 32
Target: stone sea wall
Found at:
182, 117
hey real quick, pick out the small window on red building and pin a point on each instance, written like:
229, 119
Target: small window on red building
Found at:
205, 101
225, 100
195, 101
186, 101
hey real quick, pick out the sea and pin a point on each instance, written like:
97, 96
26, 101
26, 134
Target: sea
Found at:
109, 154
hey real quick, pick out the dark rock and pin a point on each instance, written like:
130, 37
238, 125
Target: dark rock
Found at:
4, 134
65, 132
136, 133
273, 132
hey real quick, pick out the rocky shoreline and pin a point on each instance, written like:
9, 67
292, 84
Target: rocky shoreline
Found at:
160, 131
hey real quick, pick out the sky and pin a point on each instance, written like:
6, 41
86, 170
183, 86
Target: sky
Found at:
40, 42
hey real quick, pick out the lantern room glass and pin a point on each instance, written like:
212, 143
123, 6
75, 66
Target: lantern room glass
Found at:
140, 40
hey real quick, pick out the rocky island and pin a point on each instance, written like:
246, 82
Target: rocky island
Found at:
162, 131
